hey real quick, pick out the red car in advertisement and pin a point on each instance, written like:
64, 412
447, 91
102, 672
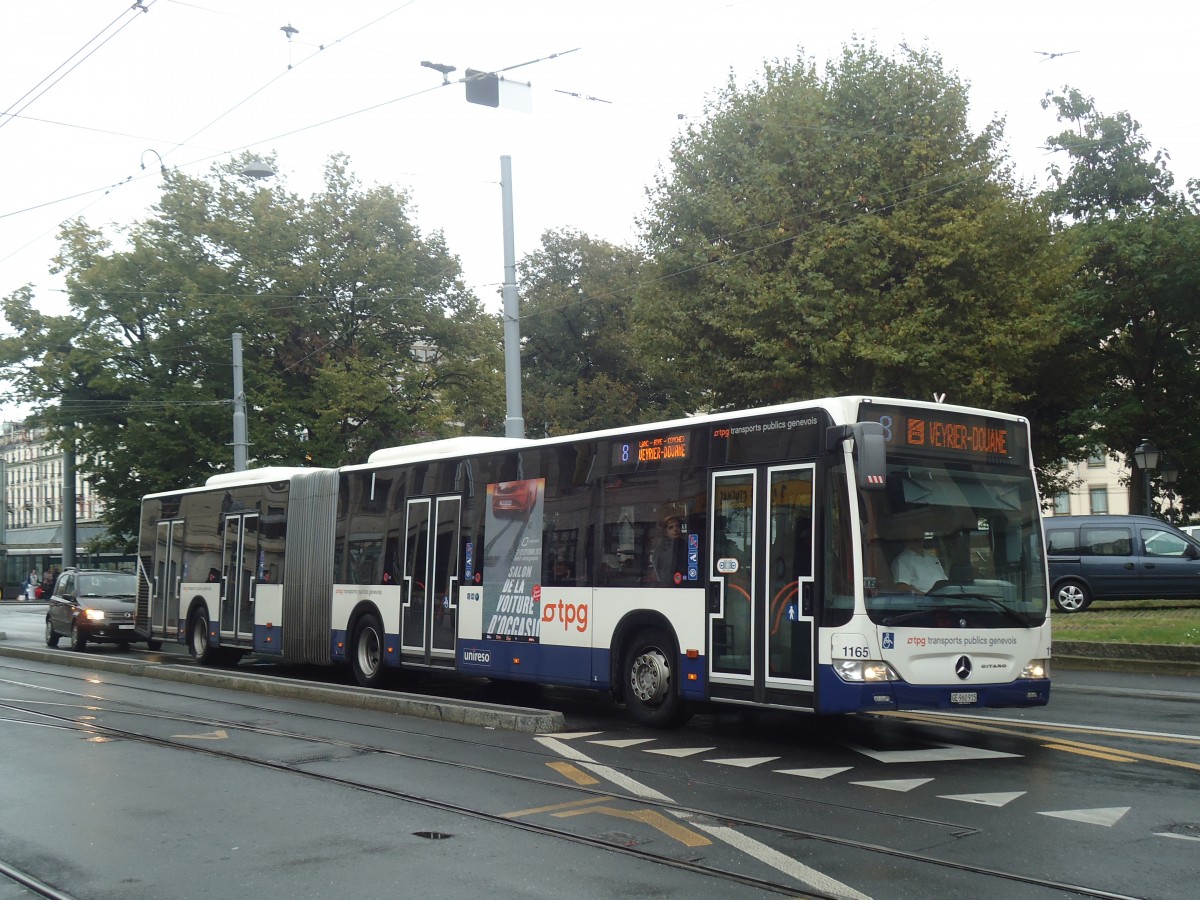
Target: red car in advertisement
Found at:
514, 498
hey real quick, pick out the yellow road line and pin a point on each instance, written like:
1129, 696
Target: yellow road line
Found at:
653, 818
573, 772
1112, 757
553, 807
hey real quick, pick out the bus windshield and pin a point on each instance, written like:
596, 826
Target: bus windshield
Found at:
953, 546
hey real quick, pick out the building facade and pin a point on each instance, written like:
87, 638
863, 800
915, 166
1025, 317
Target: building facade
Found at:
32, 469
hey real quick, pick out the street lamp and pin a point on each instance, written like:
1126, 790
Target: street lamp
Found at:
1146, 457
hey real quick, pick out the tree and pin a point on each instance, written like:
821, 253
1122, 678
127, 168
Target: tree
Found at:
358, 332
848, 233
580, 368
1138, 241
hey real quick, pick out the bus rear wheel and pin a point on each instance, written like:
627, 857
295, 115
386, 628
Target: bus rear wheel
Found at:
366, 651
651, 680
197, 638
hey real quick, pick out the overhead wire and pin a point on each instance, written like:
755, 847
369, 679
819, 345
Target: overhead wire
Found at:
138, 7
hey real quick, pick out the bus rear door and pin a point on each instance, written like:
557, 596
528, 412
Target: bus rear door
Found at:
760, 589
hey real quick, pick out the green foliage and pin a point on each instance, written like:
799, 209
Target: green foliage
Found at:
846, 232
581, 370
357, 329
1134, 294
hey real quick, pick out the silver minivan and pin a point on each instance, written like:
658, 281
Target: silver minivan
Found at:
1119, 558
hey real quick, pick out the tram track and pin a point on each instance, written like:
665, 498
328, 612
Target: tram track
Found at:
680, 811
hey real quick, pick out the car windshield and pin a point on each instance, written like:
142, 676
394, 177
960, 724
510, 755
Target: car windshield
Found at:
953, 546
108, 584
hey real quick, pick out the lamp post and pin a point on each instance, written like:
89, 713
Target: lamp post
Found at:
1146, 457
1170, 474
256, 169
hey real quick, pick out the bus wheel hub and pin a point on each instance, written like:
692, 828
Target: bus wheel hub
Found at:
650, 677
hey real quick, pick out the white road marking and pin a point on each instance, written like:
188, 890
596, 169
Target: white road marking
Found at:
903, 785
1180, 837
586, 762
940, 753
815, 773
745, 762
679, 752
622, 744
998, 799
776, 860
759, 851
1106, 816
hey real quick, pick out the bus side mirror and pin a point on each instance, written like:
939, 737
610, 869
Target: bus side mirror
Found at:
870, 452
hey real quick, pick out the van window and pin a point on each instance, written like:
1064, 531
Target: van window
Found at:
1105, 541
1061, 541
1158, 542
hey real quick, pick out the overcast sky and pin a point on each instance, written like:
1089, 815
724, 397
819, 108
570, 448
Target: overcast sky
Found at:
98, 87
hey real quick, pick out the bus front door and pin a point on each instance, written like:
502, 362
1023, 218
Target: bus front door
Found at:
429, 622
760, 588
239, 579
164, 600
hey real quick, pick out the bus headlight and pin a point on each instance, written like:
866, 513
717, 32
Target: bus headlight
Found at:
1036, 668
864, 671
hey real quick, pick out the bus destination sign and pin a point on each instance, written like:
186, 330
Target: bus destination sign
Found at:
943, 433
666, 448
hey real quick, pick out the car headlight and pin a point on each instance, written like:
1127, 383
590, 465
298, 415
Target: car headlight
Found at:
1036, 668
94, 615
864, 671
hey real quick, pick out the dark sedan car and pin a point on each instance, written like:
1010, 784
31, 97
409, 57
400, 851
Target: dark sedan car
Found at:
95, 606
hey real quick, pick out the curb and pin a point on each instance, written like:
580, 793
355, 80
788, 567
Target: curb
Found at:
458, 712
1176, 659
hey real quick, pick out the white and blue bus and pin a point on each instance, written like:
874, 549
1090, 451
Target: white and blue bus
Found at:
833, 556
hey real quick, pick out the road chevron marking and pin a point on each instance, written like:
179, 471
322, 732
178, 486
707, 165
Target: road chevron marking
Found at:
939, 753
568, 735
903, 785
622, 744
815, 773
219, 735
745, 762
1106, 816
585, 762
998, 799
679, 752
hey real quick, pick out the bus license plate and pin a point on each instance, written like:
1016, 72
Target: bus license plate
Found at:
964, 698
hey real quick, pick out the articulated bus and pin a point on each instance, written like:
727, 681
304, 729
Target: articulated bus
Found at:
834, 556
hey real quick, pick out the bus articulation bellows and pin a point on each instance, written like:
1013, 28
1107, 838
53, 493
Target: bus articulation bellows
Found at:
834, 556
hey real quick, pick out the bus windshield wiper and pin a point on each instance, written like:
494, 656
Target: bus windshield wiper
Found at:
1017, 617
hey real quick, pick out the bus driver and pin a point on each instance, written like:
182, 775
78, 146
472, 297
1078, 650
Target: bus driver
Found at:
915, 569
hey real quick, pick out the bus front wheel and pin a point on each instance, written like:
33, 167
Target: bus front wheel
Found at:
651, 680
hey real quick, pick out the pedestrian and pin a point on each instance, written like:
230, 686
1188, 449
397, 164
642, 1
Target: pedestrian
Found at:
31, 585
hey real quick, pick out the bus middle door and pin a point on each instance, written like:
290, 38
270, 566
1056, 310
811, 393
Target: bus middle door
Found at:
760, 591
239, 581
429, 621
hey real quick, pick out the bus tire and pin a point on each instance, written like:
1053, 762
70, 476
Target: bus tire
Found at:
366, 651
651, 680
1072, 596
197, 637
153, 645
